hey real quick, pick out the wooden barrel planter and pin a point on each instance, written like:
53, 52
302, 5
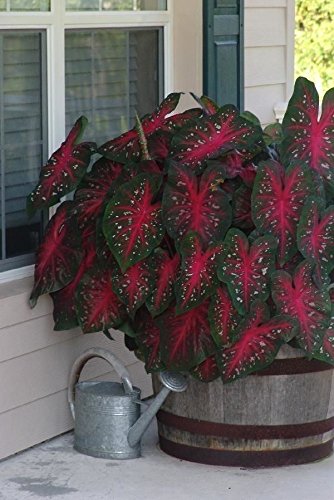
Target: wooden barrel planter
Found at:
283, 415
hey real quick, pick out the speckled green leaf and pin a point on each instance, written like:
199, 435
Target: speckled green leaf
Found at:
257, 341
197, 279
246, 268
315, 236
302, 300
132, 221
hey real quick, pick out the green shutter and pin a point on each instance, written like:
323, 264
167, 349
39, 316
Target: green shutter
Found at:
223, 51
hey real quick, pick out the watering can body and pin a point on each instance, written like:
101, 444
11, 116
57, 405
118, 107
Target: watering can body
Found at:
104, 413
107, 416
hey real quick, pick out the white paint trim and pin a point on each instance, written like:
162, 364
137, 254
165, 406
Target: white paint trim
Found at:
290, 47
168, 51
16, 274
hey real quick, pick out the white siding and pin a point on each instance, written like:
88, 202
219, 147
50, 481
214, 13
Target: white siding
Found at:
34, 366
269, 32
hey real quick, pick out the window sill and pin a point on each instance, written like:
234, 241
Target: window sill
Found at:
16, 274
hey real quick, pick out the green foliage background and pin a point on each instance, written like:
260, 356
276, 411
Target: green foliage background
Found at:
314, 39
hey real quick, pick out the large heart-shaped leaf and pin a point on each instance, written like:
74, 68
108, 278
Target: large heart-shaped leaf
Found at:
301, 299
185, 338
315, 235
59, 255
179, 120
307, 137
242, 208
63, 171
132, 221
216, 134
148, 340
207, 371
98, 307
192, 203
135, 285
231, 164
197, 278
326, 349
95, 189
209, 106
166, 268
127, 146
223, 316
277, 201
64, 312
246, 269
257, 341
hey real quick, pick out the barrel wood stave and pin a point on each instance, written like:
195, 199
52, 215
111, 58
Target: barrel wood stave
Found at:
261, 420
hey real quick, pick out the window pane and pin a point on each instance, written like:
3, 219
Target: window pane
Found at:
116, 5
22, 138
25, 5
110, 76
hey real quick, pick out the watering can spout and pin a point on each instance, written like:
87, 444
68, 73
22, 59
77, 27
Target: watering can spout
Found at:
171, 382
107, 416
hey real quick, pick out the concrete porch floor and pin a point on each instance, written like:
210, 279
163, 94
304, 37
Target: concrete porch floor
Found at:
53, 470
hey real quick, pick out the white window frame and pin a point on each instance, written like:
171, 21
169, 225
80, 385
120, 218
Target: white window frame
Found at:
55, 22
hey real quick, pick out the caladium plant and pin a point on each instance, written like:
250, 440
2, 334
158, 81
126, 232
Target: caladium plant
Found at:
208, 241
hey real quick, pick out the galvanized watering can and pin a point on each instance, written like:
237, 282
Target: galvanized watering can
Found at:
107, 416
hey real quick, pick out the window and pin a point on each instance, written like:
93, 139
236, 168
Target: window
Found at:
62, 59
103, 5
23, 139
24, 5
110, 86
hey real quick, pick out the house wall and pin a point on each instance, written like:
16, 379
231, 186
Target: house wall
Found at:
34, 360
269, 55
34, 366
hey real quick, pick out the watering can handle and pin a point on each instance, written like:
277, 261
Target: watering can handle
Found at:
79, 363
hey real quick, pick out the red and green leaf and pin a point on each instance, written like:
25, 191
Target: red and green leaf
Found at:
158, 145
214, 135
197, 279
257, 341
315, 236
135, 285
192, 203
223, 316
127, 146
59, 255
64, 312
132, 221
308, 137
166, 269
326, 349
63, 171
179, 120
185, 338
248, 174
209, 106
273, 133
232, 165
299, 298
277, 201
148, 340
242, 208
95, 189
98, 307
246, 269
207, 371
